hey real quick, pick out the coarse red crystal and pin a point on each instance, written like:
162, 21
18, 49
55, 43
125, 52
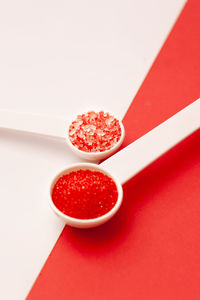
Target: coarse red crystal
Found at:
94, 132
85, 194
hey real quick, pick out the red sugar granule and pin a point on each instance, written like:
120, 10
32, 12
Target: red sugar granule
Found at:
94, 132
85, 194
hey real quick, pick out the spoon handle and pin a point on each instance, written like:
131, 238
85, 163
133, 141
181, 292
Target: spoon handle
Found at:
135, 157
40, 124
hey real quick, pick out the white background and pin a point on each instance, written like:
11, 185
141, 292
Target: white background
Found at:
58, 57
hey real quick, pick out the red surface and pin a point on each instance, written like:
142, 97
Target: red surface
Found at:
151, 249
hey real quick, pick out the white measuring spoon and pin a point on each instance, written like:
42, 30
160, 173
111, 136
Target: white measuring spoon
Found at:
135, 157
55, 127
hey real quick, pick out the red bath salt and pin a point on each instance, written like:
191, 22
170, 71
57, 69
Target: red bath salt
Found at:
85, 194
94, 132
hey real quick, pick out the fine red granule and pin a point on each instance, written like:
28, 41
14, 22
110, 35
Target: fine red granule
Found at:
85, 194
94, 132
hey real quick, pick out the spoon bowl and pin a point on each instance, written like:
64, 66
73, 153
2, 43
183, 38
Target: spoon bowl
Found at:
86, 223
96, 156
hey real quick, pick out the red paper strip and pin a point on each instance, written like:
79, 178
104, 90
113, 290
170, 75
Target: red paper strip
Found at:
150, 250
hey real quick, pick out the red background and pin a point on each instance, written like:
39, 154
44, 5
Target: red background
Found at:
151, 248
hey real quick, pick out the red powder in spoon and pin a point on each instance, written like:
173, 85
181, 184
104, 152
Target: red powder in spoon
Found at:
94, 132
85, 194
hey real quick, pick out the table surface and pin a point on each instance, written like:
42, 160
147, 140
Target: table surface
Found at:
57, 58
